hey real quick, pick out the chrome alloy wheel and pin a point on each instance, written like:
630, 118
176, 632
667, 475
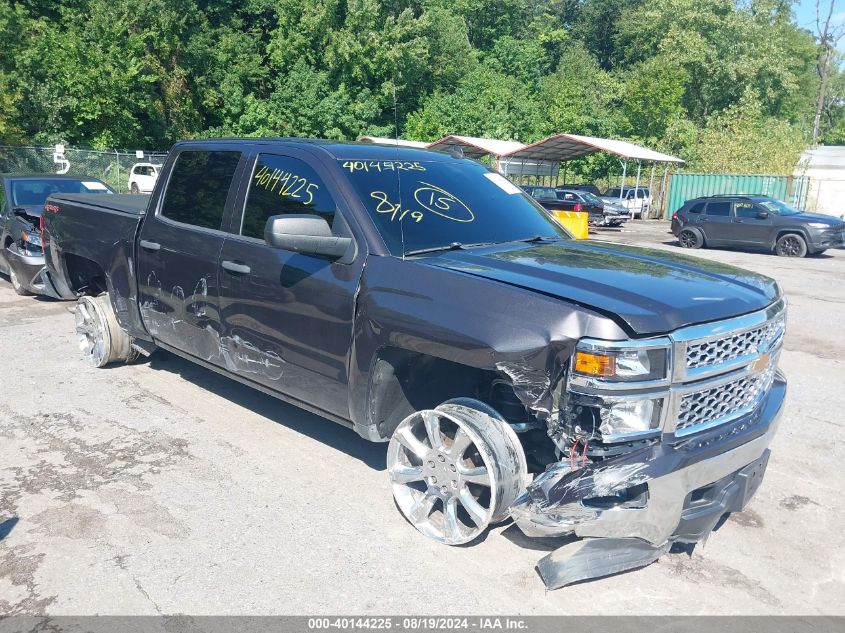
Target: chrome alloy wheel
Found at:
92, 333
455, 470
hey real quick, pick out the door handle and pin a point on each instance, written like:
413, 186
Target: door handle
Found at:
149, 246
703, 220
235, 267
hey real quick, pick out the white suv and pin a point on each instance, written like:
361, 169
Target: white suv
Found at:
142, 177
637, 201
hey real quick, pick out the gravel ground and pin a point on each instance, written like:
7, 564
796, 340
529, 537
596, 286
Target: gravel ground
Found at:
163, 488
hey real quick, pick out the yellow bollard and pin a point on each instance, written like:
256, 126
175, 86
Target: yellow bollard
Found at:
573, 221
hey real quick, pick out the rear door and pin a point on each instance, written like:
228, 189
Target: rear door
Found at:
287, 316
179, 247
716, 222
749, 229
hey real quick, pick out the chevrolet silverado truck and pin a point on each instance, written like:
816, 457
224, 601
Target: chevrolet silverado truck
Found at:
21, 202
620, 396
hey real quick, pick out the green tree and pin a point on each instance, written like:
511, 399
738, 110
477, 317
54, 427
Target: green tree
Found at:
742, 139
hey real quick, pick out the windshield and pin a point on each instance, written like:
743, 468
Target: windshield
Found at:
31, 192
612, 193
444, 203
590, 198
776, 206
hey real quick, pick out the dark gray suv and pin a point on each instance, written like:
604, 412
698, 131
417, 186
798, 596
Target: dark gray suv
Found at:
756, 222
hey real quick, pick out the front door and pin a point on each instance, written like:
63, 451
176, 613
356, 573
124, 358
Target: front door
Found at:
749, 228
178, 253
288, 317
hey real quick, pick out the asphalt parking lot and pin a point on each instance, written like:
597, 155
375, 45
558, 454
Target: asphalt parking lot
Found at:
161, 487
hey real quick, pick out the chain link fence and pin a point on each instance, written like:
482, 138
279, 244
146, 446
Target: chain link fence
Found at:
112, 167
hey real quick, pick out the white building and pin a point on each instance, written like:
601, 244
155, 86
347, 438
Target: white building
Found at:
824, 169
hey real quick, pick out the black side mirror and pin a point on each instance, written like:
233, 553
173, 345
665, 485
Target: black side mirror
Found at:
303, 233
762, 214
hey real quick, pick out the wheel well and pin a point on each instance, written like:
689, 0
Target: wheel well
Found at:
403, 381
85, 276
797, 232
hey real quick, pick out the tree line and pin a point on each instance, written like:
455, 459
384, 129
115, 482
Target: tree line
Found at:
728, 85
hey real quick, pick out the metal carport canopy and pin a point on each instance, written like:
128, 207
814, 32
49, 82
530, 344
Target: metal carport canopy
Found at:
475, 147
563, 147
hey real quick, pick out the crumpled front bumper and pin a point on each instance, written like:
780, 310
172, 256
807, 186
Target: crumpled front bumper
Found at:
27, 268
649, 498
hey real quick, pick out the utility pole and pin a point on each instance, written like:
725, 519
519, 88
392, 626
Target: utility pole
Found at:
829, 37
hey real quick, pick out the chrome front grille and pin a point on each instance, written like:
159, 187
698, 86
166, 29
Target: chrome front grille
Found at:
722, 370
715, 405
734, 345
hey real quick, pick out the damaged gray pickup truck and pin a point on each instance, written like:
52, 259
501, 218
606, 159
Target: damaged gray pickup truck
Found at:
622, 397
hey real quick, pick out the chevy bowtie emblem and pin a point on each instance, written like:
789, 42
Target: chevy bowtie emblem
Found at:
761, 363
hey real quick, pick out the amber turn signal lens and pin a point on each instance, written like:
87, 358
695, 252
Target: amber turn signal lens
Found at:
595, 364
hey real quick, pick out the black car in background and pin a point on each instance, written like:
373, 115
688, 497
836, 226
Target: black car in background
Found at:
755, 222
22, 200
564, 200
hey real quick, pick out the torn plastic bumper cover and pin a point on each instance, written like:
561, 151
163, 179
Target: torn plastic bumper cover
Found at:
632, 508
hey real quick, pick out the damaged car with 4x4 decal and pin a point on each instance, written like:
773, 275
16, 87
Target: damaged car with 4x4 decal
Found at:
624, 397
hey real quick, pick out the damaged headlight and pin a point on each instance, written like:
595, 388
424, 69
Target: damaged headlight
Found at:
619, 389
611, 361
30, 243
622, 418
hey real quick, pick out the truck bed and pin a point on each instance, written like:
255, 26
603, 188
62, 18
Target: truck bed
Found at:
84, 232
130, 204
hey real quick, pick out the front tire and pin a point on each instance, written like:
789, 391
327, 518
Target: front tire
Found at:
101, 339
455, 469
134, 188
791, 245
19, 288
690, 239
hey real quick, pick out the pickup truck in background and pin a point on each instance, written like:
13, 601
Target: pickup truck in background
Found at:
553, 199
636, 199
625, 396
22, 198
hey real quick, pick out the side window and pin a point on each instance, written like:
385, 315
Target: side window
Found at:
198, 186
569, 196
745, 210
631, 195
698, 207
721, 208
283, 185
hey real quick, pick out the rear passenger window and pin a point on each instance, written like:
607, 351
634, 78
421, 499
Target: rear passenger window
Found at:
283, 185
198, 187
698, 207
719, 208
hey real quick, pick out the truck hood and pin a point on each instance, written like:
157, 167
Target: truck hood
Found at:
33, 210
650, 291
